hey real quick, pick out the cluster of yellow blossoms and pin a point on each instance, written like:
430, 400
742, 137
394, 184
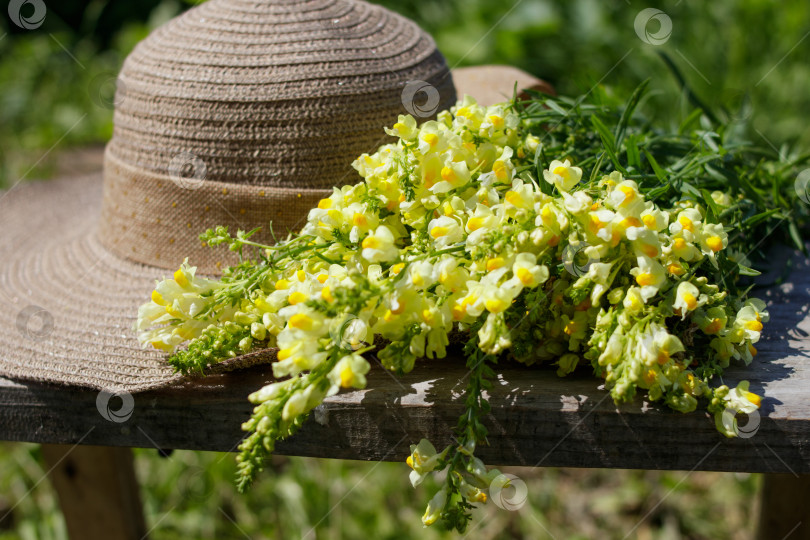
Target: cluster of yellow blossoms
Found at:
452, 230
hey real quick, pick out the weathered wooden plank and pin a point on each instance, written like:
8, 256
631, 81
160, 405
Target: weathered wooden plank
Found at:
537, 418
783, 508
98, 491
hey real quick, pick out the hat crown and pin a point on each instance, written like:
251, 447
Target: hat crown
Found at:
271, 93
241, 113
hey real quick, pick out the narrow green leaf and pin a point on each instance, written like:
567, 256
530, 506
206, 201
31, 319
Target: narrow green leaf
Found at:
796, 236
688, 123
596, 168
627, 114
659, 172
554, 106
607, 137
633, 155
753, 221
608, 142
707, 198
745, 271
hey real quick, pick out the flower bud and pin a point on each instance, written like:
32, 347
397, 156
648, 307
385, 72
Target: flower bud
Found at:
435, 507
472, 493
295, 406
258, 331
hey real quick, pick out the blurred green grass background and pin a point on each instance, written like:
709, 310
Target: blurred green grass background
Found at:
747, 58
57, 80
191, 495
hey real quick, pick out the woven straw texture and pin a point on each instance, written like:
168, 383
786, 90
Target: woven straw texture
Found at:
69, 303
241, 112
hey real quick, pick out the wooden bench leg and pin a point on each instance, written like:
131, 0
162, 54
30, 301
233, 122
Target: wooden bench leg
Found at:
784, 508
98, 491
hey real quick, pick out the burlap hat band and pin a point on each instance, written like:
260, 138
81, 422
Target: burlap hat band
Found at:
156, 219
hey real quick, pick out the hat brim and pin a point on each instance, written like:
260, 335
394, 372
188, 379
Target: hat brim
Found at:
70, 304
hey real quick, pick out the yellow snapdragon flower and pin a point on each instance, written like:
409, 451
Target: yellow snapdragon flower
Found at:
350, 372
649, 275
687, 298
445, 231
562, 175
379, 245
686, 223
405, 128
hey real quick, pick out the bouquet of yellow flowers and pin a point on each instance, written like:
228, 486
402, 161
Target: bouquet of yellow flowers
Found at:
528, 230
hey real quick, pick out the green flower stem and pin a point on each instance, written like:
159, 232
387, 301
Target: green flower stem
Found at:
266, 425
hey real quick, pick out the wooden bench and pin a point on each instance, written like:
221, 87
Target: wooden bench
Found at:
537, 419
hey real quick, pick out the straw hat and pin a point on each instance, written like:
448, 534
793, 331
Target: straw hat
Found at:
237, 112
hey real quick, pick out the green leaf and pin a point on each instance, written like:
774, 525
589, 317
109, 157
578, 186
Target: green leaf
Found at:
609, 143
796, 236
627, 114
659, 172
607, 137
596, 168
745, 271
554, 106
759, 218
689, 122
707, 198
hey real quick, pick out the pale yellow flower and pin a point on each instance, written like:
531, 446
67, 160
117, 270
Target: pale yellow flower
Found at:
405, 128
563, 175
379, 246
687, 298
